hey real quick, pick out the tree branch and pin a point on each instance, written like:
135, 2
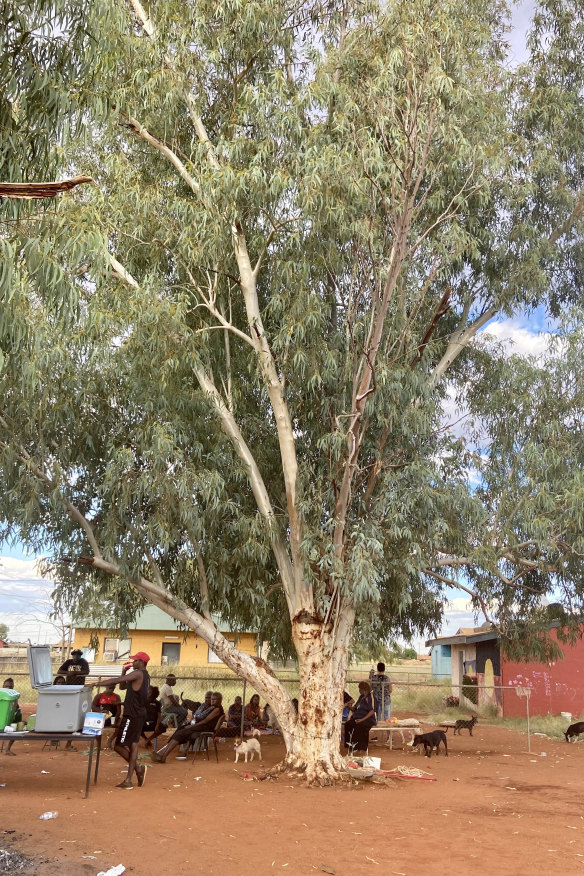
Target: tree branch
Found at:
453, 583
458, 341
121, 273
165, 150
256, 481
240, 662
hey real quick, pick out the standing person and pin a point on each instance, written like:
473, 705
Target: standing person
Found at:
382, 688
136, 683
76, 669
363, 718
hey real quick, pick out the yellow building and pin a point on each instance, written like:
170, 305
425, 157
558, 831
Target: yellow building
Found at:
160, 636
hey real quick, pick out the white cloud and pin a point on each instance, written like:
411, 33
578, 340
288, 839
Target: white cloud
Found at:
517, 338
459, 613
25, 601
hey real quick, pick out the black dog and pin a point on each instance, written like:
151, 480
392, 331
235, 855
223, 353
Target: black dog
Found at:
193, 705
430, 741
574, 730
463, 722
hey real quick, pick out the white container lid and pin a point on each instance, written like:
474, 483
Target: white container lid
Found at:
39, 666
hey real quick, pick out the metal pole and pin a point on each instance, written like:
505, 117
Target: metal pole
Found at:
527, 710
243, 708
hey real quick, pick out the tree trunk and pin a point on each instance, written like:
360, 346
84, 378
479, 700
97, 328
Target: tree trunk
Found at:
313, 747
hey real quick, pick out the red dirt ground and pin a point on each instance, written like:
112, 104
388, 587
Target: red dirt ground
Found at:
494, 809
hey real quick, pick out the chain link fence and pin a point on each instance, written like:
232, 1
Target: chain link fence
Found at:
408, 695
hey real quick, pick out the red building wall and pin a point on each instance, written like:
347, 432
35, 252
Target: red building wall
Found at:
555, 687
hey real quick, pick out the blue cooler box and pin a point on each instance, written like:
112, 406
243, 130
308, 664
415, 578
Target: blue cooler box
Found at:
61, 708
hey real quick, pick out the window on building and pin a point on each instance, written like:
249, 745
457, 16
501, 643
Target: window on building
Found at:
115, 649
170, 653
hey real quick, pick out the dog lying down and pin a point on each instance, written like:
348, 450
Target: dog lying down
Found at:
574, 730
431, 741
247, 746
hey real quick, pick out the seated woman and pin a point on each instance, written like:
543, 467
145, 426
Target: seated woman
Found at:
253, 716
189, 734
234, 713
362, 719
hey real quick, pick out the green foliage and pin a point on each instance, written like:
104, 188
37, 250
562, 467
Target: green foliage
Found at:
389, 171
3, 632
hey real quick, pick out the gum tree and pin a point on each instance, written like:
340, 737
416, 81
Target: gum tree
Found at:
226, 364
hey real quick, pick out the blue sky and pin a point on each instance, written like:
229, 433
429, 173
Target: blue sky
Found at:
25, 596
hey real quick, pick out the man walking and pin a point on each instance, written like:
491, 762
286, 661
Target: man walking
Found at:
136, 683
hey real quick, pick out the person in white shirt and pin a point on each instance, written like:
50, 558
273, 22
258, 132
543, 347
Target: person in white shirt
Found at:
170, 706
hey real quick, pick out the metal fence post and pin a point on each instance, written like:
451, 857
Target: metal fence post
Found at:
243, 707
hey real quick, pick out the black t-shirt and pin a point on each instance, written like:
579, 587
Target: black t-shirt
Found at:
137, 700
153, 710
75, 670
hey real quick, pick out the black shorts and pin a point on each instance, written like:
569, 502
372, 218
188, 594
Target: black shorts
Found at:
129, 731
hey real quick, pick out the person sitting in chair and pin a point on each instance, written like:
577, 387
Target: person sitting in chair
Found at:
363, 718
170, 701
109, 703
193, 730
170, 705
153, 707
253, 715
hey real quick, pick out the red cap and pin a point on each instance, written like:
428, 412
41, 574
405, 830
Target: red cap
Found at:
141, 655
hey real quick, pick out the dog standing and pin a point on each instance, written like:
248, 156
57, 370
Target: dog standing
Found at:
574, 730
431, 741
247, 746
462, 723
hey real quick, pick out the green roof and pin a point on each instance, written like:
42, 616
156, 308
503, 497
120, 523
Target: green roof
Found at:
153, 618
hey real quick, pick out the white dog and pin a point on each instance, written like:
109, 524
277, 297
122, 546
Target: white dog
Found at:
270, 718
247, 746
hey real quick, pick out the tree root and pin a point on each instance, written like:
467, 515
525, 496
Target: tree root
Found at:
320, 774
